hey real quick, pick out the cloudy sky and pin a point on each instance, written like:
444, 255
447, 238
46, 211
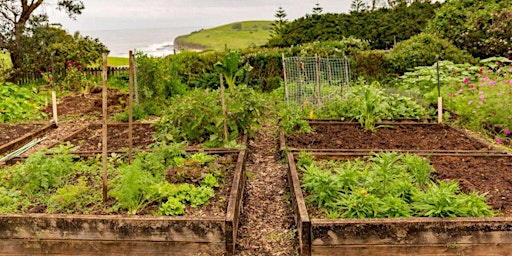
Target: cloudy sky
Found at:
124, 14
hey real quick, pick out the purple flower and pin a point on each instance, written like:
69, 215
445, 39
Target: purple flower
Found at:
492, 83
470, 102
498, 140
507, 131
482, 96
466, 80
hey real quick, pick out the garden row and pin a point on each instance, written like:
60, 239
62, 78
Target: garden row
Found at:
408, 188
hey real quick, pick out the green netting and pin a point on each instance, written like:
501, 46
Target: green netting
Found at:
312, 80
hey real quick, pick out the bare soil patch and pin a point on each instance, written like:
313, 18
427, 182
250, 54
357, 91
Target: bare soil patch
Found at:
10, 132
90, 139
89, 104
399, 136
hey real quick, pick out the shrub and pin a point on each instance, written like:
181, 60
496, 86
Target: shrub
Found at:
421, 50
482, 27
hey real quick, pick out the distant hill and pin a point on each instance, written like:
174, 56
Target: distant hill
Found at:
238, 35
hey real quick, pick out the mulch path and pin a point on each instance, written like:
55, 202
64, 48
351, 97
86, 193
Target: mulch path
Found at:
267, 225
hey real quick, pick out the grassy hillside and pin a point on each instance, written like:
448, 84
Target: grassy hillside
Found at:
238, 35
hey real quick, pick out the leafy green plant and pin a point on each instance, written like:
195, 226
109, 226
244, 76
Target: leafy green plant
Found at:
172, 207
229, 68
73, 198
197, 116
19, 103
386, 185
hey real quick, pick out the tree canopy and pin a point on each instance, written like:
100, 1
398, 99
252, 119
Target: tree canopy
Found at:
26, 34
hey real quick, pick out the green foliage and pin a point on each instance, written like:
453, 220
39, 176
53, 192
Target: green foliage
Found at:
370, 104
41, 172
381, 27
19, 103
229, 68
445, 200
172, 207
73, 198
387, 185
9, 200
197, 116
421, 50
483, 28
209, 181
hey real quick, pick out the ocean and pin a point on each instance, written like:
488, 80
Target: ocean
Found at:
153, 41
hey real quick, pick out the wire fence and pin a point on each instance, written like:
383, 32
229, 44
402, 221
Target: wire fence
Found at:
312, 80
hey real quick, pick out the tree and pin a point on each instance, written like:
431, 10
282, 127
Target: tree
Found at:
358, 6
17, 17
317, 9
279, 22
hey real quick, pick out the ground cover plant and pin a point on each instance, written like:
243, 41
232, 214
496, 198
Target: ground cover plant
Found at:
19, 103
163, 182
386, 185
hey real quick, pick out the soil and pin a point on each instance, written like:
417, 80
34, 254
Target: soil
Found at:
90, 139
484, 174
89, 104
398, 137
9, 132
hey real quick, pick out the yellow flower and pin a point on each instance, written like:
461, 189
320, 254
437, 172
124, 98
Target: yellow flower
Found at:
312, 114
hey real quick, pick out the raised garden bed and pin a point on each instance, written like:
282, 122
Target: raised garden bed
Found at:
89, 104
15, 136
409, 236
425, 138
89, 138
454, 154
192, 234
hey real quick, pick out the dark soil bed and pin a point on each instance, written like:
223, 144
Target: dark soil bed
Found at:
90, 138
11, 132
397, 137
89, 104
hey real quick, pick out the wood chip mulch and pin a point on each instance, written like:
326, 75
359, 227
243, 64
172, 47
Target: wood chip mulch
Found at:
266, 226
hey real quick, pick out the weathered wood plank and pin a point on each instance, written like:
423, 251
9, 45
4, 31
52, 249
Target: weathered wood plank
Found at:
116, 228
235, 201
403, 250
114, 248
301, 215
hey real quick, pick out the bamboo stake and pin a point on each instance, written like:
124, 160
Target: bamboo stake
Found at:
130, 110
104, 127
224, 114
54, 98
317, 71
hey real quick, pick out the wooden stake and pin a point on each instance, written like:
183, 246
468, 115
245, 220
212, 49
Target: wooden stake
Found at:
224, 111
54, 106
130, 110
104, 126
440, 110
286, 93
135, 83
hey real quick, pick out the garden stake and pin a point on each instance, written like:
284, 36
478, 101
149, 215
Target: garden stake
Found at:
135, 83
104, 127
439, 98
223, 108
54, 98
286, 94
130, 109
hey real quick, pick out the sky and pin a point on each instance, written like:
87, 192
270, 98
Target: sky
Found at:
137, 14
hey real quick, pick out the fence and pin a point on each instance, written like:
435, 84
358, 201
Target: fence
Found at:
312, 80
28, 77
